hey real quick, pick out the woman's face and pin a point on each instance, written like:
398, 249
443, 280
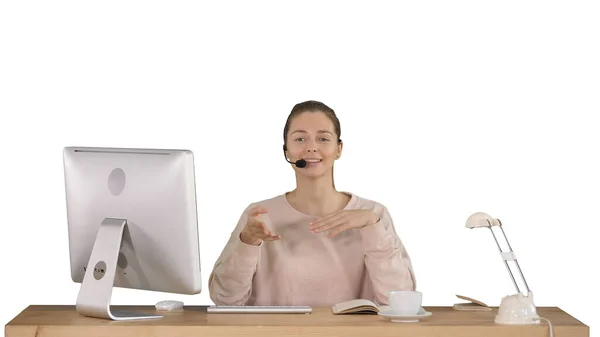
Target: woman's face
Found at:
312, 138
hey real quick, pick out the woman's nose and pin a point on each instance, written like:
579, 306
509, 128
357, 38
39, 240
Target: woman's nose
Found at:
311, 147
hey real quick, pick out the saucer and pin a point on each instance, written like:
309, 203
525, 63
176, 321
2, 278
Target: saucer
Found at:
398, 318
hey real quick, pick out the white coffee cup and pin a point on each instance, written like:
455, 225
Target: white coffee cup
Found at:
405, 302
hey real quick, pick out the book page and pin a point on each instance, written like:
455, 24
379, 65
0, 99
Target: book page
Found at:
462, 297
470, 307
355, 306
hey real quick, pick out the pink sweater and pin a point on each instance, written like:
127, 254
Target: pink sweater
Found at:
306, 268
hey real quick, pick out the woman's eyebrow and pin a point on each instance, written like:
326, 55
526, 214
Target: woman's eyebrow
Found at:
320, 131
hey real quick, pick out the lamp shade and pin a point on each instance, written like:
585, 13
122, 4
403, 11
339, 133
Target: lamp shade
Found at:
481, 219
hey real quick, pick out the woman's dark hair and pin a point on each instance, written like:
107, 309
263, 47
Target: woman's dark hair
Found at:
312, 106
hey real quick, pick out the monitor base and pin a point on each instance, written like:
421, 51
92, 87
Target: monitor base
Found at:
97, 285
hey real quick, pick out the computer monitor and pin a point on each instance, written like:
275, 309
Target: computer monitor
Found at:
132, 223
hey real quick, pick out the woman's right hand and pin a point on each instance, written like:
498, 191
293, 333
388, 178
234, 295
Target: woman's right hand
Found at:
256, 231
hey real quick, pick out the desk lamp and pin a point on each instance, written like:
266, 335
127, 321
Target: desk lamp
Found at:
514, 309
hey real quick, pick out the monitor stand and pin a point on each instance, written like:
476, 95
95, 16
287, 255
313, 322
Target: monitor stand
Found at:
96, 288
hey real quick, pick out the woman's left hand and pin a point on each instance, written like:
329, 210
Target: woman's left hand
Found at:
342, 220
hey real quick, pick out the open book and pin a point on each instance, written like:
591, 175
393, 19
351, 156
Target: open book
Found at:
358, 306
474, 305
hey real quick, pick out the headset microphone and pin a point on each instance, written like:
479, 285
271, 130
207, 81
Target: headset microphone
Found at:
301, 163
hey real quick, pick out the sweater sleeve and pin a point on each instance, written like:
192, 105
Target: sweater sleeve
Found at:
386, 258
230, 282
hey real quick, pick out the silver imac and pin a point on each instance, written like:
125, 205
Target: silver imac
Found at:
132, 223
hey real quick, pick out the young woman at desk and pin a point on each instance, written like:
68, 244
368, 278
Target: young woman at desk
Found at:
313, 246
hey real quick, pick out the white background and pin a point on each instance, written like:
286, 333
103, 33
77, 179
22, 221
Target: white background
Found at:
447, 108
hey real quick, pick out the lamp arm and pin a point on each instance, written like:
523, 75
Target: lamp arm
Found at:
509, 256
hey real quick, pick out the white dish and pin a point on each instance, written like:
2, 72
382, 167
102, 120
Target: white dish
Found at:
398, 318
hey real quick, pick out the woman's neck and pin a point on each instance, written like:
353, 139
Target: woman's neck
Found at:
317, 197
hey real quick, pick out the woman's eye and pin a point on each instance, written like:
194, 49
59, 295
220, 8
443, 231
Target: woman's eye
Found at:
325, 139
299, 139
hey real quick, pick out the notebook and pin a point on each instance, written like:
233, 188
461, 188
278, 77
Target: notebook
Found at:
473, 305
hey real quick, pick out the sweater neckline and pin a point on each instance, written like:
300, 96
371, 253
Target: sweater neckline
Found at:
348, 205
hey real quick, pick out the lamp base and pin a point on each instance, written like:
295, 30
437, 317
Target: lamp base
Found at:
517, 309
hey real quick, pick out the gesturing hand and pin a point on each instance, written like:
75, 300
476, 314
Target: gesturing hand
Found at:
256, 230
340, 221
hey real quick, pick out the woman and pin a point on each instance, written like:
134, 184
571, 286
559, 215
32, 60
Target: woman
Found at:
314, 245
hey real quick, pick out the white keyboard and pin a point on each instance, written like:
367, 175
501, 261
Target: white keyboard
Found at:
259, 309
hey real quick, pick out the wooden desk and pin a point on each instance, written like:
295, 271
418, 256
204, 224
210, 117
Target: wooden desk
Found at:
51, 321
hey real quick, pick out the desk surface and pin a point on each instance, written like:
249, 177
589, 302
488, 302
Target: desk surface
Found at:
50, 321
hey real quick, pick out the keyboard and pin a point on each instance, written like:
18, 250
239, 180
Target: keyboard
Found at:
260, 309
